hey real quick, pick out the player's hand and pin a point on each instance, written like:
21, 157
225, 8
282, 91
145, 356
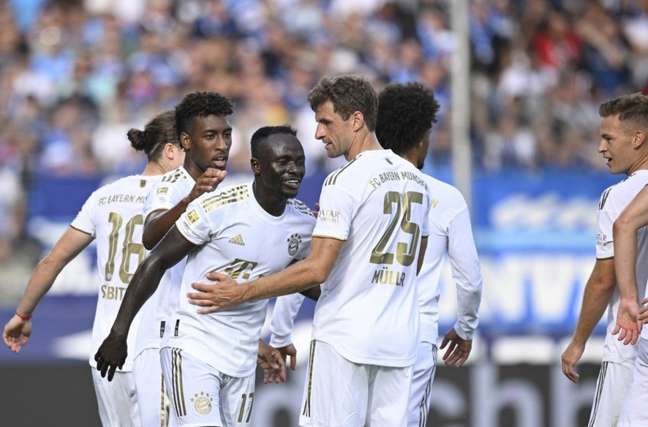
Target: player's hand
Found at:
289, 353
458, 350
224, 293
111, 355
16, 333
206, 182
569, 359
643, 312
272, 363
627, 324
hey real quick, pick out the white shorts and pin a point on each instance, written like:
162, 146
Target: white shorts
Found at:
634, 411
201, 395
611, 388
422, 378
116, 399
149, 385
340, 393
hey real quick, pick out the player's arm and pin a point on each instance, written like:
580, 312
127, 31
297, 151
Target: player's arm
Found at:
625, 230
309, 272
598, 291
468, 280
172, 248
17, 331
282, 323
160, 221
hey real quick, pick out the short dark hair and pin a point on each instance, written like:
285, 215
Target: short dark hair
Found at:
200, 104
156, 134
348, 95
632, 107
405, 113
264, 132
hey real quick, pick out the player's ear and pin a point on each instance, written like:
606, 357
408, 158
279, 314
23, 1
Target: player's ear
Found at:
357, 120
638, 139
185, 141
256, 167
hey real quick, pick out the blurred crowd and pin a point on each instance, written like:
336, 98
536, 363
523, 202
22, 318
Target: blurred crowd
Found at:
76, 75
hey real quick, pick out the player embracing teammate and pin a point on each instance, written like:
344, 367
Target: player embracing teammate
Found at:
373, 354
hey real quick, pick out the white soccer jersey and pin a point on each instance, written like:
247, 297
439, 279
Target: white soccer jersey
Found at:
237, 237
613, 202
378, 204
158, 309
113, 214
450, 234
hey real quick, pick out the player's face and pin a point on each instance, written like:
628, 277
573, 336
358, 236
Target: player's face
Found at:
282, 164
335, 132
210, 142
616, 145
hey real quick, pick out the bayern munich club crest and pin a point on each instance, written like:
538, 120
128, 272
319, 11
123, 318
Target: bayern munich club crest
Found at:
202, 403
293, 243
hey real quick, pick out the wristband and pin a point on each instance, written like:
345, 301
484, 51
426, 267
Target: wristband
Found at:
24, 317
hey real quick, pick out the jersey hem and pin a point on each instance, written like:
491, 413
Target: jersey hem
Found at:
391, 363
343, 239
82, 231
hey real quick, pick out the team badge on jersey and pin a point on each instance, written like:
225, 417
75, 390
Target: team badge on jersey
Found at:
193, 216
293, 244
202, 402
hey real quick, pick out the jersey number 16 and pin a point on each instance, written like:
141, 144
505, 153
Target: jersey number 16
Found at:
129, 248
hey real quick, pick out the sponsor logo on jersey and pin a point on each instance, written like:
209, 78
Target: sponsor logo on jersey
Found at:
237, 240
293, 244
202, 402
329, 215
193, 216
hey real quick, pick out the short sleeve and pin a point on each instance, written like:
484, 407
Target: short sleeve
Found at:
84, 221
604, 239
337, 208
194, 224
159, 198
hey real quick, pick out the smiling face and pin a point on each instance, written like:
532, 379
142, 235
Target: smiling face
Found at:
618, 144
335, 132
280, 164
209, 141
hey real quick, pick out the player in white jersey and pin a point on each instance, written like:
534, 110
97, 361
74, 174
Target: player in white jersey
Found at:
206, 136
405, 116
209, 362
630, 253
624, 146
113, 216
365, 251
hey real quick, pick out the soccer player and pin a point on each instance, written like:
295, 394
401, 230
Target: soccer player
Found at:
206, 136
631, 250
113, 216
405, 116
365, 251
624, 147
246, 231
